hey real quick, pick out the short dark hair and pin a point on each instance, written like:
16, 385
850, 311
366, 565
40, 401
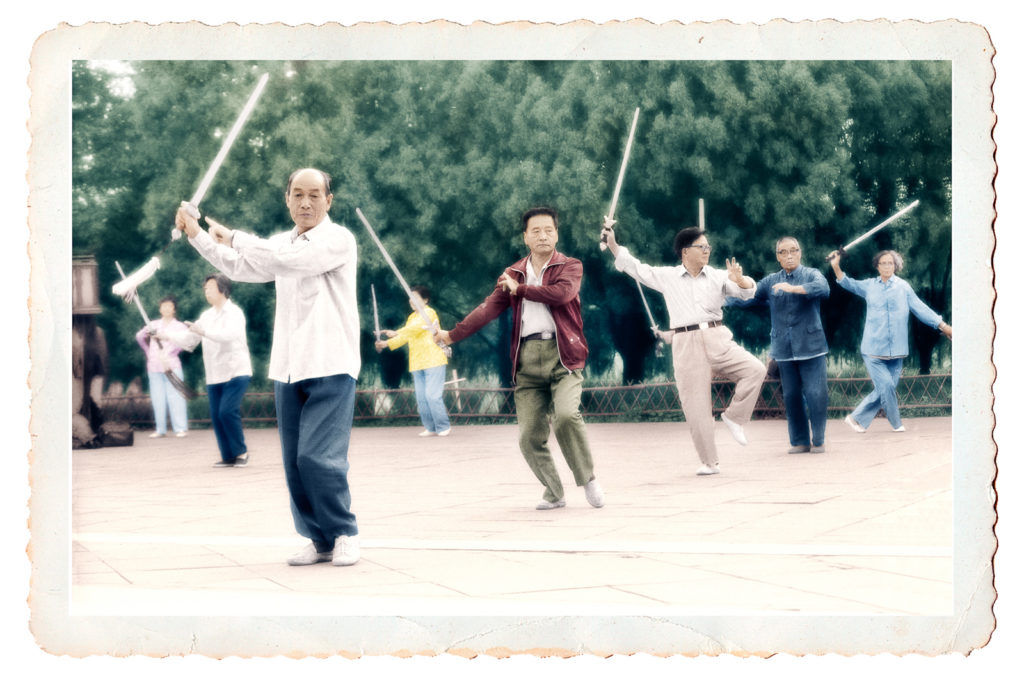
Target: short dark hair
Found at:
223, 283
539, 211
172, 298
422, 291
896, 258
324, 175
685, 238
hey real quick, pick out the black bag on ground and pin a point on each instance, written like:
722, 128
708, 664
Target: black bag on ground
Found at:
116, 434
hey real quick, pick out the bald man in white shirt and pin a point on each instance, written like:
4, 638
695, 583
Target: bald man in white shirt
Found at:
314, 359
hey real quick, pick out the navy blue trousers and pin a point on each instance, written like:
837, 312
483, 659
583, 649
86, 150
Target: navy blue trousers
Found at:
314, 420
805, 393
226, 415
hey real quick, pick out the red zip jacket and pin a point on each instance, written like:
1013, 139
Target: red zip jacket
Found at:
560, 293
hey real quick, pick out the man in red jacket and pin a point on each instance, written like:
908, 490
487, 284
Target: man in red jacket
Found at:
548, 354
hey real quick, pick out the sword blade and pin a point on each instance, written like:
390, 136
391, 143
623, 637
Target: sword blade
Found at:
650, 315
622, 174
882, 225
622, 169
376, 318
204, 185
417, 304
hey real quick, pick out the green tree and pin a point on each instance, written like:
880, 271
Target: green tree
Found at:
443, 157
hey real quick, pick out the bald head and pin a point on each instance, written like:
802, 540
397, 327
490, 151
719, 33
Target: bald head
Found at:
308, 197
325, 178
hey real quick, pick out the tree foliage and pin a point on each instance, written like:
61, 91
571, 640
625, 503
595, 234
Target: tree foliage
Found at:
444, 156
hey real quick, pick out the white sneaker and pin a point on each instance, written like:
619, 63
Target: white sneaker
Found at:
736, 430
445, 433
595, 496
853, 424
181, 434
155, 435
708, 469
551, 505
346, 551
307, 556
427, 433
901, 429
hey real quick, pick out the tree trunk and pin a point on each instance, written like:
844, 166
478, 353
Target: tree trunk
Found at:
633, 340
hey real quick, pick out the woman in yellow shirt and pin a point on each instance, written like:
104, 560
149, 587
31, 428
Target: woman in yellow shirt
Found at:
427, 363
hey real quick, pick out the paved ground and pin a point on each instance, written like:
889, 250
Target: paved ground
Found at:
448, 526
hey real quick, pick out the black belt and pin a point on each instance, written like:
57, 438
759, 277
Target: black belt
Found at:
699, 325
540, 336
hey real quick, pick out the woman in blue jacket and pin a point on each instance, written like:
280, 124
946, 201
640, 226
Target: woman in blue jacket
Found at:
890, 300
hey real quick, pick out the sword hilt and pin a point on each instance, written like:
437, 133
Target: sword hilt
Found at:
659, 341
841, 252
193, 211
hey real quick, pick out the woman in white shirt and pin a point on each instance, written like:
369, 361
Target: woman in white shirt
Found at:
228, 367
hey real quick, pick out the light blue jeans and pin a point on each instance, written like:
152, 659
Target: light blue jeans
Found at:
314, 421
885, 375
429, 385
165, 398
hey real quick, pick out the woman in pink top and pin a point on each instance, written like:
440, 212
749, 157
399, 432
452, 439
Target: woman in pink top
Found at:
161, 357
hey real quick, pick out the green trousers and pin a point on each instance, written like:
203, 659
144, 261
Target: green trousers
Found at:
548, 396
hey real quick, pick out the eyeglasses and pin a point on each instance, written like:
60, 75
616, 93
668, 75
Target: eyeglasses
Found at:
703, 247
788, 252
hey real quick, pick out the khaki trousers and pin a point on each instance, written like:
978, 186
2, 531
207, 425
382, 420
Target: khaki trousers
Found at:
548, 396
699, 355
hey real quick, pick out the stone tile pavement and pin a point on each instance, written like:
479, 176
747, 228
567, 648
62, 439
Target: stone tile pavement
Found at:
448, 527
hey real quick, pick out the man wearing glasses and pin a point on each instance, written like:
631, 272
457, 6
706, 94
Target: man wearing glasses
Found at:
793, 296
702, 347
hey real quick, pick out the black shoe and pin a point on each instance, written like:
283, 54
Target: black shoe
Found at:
224, 464
241, 460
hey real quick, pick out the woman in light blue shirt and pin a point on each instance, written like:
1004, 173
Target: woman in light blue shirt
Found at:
890, 300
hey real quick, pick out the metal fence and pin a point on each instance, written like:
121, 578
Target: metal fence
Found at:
917, 395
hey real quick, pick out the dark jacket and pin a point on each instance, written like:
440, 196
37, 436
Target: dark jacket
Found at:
560, 293
797, 333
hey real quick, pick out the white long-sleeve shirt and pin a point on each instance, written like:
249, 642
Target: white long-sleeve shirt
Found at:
225, 349
316, 321
537, 316
690, 300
